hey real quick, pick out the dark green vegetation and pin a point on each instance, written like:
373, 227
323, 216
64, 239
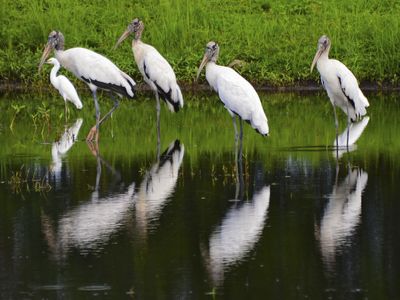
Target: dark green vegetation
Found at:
275, 39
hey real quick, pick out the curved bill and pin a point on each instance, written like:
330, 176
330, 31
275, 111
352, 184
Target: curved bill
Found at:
45, 54
317, 55
122, 38
203, 63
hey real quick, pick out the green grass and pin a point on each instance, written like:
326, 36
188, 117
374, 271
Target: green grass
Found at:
276, 39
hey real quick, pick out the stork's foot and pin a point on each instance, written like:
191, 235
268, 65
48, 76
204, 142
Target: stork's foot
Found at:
93, 135
93, 147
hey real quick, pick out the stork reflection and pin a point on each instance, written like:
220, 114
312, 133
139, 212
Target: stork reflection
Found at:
342, 215
157, 187
60, 148
240, 229
353, 132
90, 225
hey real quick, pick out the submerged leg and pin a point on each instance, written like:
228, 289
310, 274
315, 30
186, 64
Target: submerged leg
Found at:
94, 132
158, 108
239, 171
241, 129
234, 126
348, 128
337, 131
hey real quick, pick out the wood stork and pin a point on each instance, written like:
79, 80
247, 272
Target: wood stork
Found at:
156, 70
63, 85
340, 84
238, 95
97, 71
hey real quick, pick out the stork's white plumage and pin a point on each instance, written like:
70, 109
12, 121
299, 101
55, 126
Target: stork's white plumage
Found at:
156, 70
237, 94
97, 71
340, 84
63, 85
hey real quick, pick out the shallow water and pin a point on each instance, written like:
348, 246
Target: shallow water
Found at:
295, 219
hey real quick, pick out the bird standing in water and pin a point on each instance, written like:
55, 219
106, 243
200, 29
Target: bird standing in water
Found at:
237, 94
63, 85
340, 84
156, 70
97, 71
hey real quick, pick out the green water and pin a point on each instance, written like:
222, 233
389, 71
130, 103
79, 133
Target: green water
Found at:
290, 221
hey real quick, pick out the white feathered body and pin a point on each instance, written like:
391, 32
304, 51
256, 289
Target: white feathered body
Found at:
96, 70
64, 86
158, 74
238, 96
342, 87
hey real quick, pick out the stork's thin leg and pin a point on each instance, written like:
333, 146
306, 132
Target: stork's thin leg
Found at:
158, 108
337, 131
94, 132
234, 126
241, 129
239, 171
348, 128
107, 115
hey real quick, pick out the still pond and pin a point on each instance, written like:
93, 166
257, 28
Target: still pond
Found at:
292, 219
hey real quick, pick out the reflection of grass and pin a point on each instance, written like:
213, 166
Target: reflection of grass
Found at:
20, 181
205, 129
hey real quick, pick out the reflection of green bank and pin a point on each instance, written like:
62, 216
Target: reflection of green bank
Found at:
276, 39
300, 124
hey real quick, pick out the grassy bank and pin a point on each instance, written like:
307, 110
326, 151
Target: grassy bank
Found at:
276, 39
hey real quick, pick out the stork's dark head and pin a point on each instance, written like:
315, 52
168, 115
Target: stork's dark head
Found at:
324, 44
135, 27
55, 41
210, 54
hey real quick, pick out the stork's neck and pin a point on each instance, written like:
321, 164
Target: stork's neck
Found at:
53, 74
138, 35
59, 54
211, 74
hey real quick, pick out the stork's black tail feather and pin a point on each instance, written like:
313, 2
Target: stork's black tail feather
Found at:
119, 89
166, 96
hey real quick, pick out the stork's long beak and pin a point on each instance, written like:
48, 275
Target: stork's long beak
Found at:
122, 38
203, 63
45, 54
316, 57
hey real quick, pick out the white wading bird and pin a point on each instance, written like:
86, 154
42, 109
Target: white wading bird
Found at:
156, 70
63, 85
97, 71
238, 95
340, 84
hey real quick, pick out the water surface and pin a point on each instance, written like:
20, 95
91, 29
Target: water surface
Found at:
294, 219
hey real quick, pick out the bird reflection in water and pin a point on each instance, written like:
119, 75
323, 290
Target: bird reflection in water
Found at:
353, 132
60, 148
341, 215
157, 187
240, 229
89, 226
